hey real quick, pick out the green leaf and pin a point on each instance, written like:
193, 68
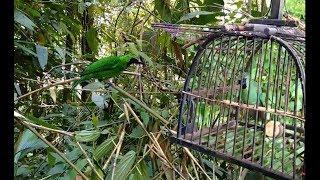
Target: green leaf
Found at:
135, 51
27, 142
137, 132
146, 58
87, 136
23, 170
124, 166
22, 19
59, 168
193, 15
65, 29
94, 86
163, 8
61, 53
25, 49
51, 159
140, 172
95, 120
42, 54
145, 117
98, 100
41, 122
92, 39
104, 148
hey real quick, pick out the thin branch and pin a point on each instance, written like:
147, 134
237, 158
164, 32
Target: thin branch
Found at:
89, 161
47, 87
195, 170
114, 150
150, 13
54, 149
154, 140
195, 160
27, 121
155, 114
68, 64
132, 73
135, 19
118, 150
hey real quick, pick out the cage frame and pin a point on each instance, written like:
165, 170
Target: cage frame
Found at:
178, 138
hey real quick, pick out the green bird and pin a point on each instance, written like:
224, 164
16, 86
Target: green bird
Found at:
107, 67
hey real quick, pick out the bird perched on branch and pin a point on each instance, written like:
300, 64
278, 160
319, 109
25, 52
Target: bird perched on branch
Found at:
107, 67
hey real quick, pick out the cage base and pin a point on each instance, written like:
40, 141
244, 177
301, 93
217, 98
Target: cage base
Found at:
241, 162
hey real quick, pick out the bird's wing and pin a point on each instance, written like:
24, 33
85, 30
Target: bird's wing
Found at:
104, 64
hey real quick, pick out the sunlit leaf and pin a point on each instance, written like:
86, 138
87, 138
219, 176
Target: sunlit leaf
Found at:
104, 148
42, 54
99, 100
95, 120
22, 19
87, 136
28, 141
94, 86
124, 166
53, 94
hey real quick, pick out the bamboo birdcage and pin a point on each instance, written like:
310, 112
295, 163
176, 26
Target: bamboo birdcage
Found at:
244, 98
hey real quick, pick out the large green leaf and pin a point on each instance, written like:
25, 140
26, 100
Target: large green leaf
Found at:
22, 19
104, 148
25, 49
145, 117
124, 166
137, 132
140, 172
57, 169
98, 100
41, 122
163, 8
87, 136
92, 39
27, 142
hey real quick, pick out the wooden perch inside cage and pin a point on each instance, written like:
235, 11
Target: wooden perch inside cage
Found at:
247, 106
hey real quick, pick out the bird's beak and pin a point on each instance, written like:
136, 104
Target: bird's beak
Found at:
141, 61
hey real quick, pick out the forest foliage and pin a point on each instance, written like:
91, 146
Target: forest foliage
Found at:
109, 133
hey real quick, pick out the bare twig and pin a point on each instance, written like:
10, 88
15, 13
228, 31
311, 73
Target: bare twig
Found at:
27, 121
118, 150
54, 149
161, 154
132, 73
68, 64
89, 161
155, 114
47, 87
195, 170
195, 160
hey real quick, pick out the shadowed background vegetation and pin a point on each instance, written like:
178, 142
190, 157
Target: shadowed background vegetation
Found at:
103, 134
